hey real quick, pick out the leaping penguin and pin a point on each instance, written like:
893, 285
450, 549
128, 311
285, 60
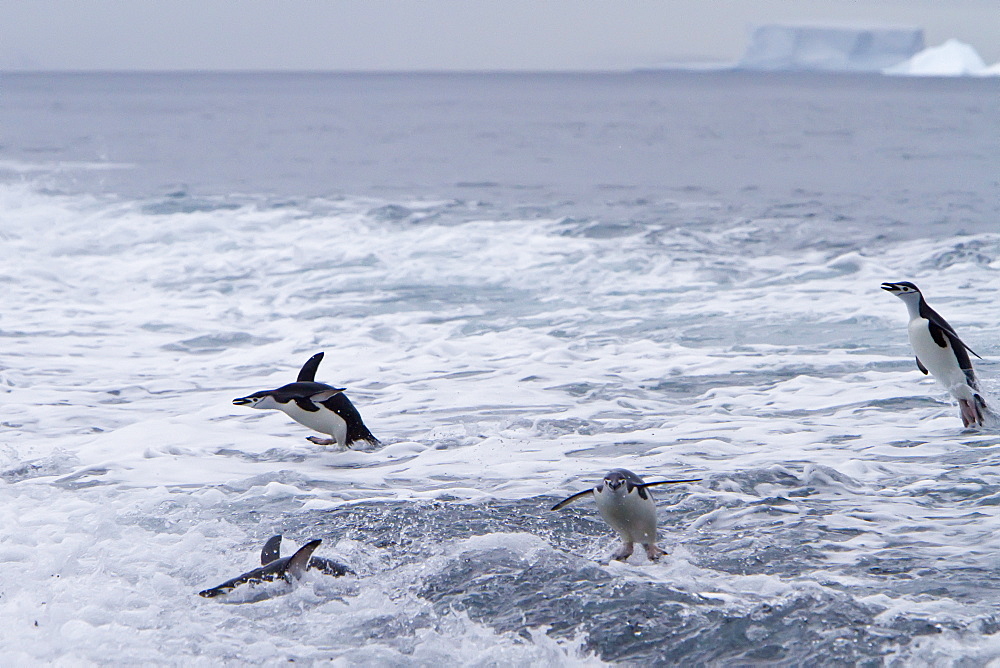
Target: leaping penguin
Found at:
273, 567
319, 406
941, 353
625, 503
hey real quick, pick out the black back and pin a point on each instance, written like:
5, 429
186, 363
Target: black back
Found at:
301, 390
943, 333
356, 429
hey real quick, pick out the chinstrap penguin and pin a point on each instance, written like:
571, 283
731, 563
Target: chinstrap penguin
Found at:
319, 406
273, 567
287, 568
624, 501
941, 353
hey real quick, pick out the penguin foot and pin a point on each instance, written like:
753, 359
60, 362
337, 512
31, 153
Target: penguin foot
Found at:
624, 553
972, 414
653, 552
321, 441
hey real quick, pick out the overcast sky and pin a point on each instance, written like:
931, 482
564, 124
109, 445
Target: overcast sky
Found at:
436, 34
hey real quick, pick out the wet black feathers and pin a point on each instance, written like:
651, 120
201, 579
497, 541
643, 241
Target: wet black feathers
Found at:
308, 371
943, 334
356, 429
301, 393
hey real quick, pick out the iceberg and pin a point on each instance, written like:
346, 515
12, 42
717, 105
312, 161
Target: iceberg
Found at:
783, 47
951, 59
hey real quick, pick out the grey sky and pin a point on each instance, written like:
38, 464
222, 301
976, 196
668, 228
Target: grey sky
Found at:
436, 34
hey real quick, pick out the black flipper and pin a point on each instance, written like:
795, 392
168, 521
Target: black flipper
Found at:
567, 501
305, 404
668, 482
940, 329
964, 363
320, 397
921, 366
271, 550
308, 371
299, 562
642, 487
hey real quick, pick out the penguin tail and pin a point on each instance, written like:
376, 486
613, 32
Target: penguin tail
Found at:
973, 411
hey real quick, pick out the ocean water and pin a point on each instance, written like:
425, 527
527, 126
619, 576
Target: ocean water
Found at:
523, 281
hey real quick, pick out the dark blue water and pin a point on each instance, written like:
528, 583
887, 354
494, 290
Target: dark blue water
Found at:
891, 153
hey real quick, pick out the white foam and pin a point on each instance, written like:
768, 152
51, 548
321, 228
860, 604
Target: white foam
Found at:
497, 359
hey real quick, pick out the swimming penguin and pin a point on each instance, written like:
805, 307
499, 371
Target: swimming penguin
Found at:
319, 406
287, 569
272, 552
625, 503
274, 567
940, 352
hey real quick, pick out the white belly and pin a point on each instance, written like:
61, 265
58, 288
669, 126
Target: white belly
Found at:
633, 517
940, 362
323, 421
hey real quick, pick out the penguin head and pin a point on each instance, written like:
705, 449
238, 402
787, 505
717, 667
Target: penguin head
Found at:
262, 399
618, 479
904, 290
615, 480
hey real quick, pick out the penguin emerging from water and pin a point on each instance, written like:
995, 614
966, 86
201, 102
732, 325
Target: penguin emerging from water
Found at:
274, 567
941, 353
319, 406
625, 503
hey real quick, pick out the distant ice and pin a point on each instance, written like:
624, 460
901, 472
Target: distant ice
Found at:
784, 47
951, 59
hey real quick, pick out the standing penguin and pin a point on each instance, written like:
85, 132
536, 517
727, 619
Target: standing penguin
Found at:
625, 503
319, 406
941, 353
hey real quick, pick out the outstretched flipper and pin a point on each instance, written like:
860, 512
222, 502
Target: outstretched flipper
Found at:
299, 562
629, 485
940, 329
920, 366
271, 550
307, 374
667, 482
566, 502
325, 395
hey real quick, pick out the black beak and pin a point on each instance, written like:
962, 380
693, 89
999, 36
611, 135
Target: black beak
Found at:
242, 401
890, 287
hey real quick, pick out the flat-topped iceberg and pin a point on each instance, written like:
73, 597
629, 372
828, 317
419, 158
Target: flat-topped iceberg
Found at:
951, 59
793, 47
